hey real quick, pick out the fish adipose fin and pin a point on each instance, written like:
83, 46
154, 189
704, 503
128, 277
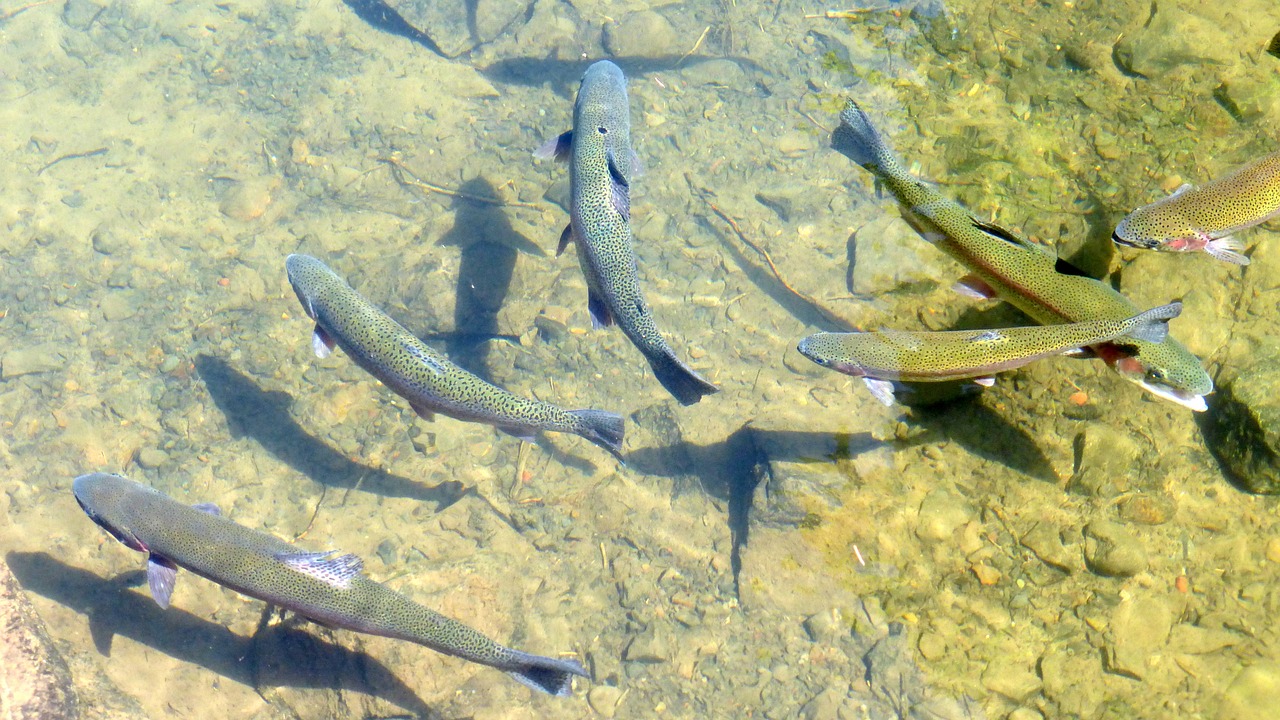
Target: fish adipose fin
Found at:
328, 567
322, 342
679, 379
544, 674
602, 428
1153, 325
557, 147
161, 576
1228, 249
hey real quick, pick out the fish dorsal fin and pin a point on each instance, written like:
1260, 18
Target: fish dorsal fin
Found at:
436, 367
1064, 267
207, 507
1001, 233
620, 187
162, 574
1181, 189
327, 567
987, 336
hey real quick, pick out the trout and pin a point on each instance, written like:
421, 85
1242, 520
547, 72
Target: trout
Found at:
325, 587
601, 168
1031, 278
1205, 218
882, 357
422, 376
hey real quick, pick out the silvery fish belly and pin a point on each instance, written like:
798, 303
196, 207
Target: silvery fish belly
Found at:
601, 170
327, 587
1205, 218
422, 376
1032, 278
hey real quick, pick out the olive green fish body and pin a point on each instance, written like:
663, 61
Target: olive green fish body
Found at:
1025, 275
965, 354
1204, 218
601, 168
325, 587
428, 380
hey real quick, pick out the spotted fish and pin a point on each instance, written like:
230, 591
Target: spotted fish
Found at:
325, 587
422, 376
601, 168
1029, 277
882, 357
1205, 218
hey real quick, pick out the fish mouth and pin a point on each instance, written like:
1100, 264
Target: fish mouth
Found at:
1184, 398
1129, 242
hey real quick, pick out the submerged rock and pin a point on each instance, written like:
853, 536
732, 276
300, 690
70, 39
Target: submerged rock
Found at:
35, 683
1171, 39
1255, 693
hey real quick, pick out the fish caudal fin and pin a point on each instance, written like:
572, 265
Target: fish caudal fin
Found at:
857, 139
1153, 325
679, 379
1228, 249
544, 674
602, 428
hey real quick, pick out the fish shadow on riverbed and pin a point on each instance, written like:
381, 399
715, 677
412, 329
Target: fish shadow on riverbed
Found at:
985, 433
264, 416
276, 656
536, 71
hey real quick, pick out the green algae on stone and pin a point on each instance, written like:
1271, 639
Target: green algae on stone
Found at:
1243, 431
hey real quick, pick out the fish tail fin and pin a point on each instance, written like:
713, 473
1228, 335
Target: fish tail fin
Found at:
1153, 325
857, 139
602, 428
544, 674
1228, 249
679, 379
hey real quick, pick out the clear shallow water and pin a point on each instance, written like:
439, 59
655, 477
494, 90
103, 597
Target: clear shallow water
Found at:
145, 293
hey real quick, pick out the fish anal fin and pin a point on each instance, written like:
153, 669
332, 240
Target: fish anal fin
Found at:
327, 567
423, 412
557, 148
207, 507
162, 574
600, 315
322, 342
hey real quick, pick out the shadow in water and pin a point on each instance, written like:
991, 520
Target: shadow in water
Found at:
535, 71
985, 433
489, 250
273, 657
264, 416
383, 17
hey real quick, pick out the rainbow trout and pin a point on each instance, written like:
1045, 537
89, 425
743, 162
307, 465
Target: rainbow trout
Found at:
1029, 277
882, 357
1204, 218
601, 167
324, 587
422, 376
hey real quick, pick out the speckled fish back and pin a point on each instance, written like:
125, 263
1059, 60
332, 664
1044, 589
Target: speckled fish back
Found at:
1241, 199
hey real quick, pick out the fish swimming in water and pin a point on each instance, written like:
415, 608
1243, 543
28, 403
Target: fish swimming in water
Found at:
1205, 218
1031, 278
601, 168
325, 587
882, 357
422, 376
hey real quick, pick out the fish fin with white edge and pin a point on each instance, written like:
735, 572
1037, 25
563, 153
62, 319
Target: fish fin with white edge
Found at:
1081, 353
556, 148
1153, 325
881, 390
975, 287
519, 433
161, 576
985, 382
1181, 189
327, 567
208, 507
1228, 249
600, 315
322, 342
605, 429
621, 189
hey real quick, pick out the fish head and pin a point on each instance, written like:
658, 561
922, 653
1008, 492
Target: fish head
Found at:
823, 349
602, 119
1166, 370
301, 269
101, 496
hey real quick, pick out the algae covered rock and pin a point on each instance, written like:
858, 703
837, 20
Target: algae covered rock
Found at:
1242, 427
35, 682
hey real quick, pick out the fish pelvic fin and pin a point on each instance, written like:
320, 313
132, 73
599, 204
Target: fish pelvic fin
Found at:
881, 390
327, 567
549, 675
679, 379
1227, 249
602, 428
1153, 325
322, 342
162, 575
566, 237
599, 309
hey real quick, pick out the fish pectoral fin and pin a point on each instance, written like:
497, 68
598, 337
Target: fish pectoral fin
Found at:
556, 148
1081, 353
881, 390
566, 237
1226, 249
985, 381
600, 315
322, 342
423, 412
161, 576
327, 567
207, 507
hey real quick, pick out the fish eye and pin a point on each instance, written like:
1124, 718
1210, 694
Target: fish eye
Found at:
1157, 374
603, 130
